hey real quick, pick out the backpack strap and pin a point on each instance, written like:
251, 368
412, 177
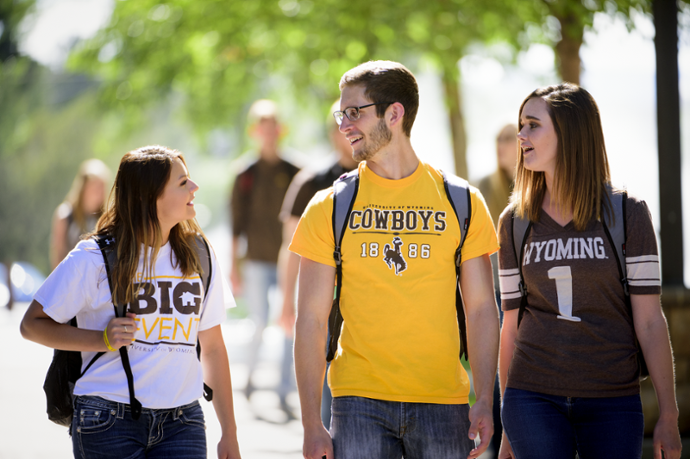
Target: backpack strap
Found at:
616, 232
458, 193
105, 243
204, 254
344, 194
521, 228
615, 226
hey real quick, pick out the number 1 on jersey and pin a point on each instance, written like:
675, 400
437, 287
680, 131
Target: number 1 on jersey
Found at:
564, 290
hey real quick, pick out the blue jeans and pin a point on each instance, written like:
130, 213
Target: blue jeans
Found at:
548, 426
326, 402
364, 428
259, 277
103, 429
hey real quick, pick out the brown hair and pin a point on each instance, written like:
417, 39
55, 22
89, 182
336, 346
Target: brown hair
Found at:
131, 217
386, 81
91, 169
582, 168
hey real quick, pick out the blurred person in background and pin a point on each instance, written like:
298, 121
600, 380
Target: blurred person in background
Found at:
569, 364
496, 189
257, 195
150, 223
81, 209
303, 187
497, 186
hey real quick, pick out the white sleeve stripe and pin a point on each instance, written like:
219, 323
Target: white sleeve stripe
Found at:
645, 283
643, 271
643, 258
508, 272
509, 284
510, 296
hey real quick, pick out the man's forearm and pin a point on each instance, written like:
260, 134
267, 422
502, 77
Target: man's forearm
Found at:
310, 368
315, 296
482, 343
288, 270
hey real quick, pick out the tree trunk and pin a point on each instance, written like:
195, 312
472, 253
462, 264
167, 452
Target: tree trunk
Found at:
457, 126
669, 137
568, 49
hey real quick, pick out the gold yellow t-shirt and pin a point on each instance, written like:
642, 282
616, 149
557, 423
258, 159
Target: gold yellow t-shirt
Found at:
399, 340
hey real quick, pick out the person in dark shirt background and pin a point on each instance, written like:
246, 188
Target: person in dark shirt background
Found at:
303, 187
257, 195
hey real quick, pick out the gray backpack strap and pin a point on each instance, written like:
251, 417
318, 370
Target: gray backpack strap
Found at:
615, 223
344, 195
520, 226
204, 254
613, 218
458, 193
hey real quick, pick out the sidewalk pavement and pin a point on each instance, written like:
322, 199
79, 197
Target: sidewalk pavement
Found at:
26, 433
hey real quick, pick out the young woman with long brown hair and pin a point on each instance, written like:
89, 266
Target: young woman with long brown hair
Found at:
570, 372
80, 210
150, 223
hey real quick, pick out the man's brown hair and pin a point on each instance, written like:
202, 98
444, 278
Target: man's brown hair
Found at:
582, 167
386, 81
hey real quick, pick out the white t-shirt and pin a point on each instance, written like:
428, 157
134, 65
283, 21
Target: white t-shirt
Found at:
167, 372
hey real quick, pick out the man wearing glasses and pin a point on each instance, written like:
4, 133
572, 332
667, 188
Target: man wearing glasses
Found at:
398, 385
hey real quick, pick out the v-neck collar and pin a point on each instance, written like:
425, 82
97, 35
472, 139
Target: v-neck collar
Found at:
549, 221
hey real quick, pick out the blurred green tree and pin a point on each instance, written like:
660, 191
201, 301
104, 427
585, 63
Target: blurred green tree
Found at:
47, 127
42, 141
221, 55
562, 25
12, 12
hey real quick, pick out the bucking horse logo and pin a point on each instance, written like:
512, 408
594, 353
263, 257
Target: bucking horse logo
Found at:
393, 256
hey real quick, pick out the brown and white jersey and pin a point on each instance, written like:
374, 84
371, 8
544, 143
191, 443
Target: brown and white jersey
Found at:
576, 337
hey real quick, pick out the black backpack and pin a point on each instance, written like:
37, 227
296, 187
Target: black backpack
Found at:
617, 235
65, 368
344, 195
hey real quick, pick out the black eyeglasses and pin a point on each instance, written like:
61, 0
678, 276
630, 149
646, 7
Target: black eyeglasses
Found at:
352, 113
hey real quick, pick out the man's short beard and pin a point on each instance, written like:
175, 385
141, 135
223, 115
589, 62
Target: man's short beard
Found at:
377, 139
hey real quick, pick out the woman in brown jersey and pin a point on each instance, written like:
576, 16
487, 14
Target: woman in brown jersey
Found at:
569, 373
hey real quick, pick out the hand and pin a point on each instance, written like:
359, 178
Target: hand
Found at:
317, 444
236, 281
667, 439
482, 425
506, 451
228, 448
287, 317
121, 330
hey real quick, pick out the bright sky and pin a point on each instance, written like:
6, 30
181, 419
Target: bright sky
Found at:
618, 70
58, 23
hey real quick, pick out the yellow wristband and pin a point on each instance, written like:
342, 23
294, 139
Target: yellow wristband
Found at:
105, 338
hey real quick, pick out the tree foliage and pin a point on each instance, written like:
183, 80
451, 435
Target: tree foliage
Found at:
562, 24
221, 55
42, 141
12, 12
